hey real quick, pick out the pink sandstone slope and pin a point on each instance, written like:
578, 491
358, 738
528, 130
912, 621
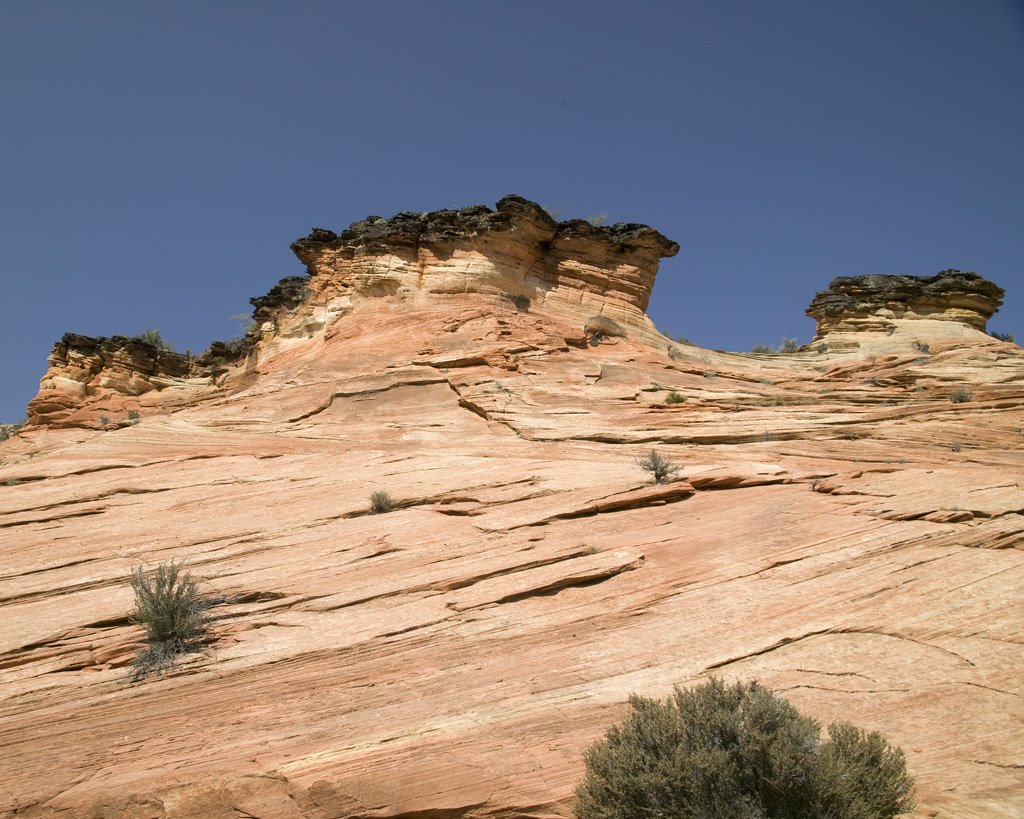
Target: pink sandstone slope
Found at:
839, 528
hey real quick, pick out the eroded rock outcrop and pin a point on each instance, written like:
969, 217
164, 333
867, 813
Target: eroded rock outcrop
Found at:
872, 302
517, 250
595, 279
99, 381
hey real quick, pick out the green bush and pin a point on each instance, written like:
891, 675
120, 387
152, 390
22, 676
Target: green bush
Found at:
675, 398
738, 752
960, 396
153, 338
661, 468
1004, 336
173, 611
381, 502
762, 349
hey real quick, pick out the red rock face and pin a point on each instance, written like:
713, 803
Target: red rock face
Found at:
839, 528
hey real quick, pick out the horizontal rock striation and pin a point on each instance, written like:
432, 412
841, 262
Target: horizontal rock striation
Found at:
871, 302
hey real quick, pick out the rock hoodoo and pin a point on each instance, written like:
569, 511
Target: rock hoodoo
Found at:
516, 250
872, 302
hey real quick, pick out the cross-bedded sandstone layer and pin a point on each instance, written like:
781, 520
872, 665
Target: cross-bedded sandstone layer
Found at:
839, 528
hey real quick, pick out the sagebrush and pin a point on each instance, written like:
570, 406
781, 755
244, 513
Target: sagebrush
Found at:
737, 752
381, 502
659, 466
154, 338
174, 613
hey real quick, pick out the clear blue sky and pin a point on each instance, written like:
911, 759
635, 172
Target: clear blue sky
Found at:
159, 158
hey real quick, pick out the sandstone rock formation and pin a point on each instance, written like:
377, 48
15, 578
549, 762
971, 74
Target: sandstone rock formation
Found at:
839, 529
595, 277
948, 305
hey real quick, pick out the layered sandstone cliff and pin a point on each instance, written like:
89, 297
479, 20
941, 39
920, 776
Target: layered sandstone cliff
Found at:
846, 526
592, 279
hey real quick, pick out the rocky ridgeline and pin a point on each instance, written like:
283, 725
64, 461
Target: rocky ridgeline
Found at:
581, 280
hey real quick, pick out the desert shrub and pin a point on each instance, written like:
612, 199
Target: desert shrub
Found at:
381, 502
960, 396
598, 219
789, 345
737, 752
173, 611
1004, 336
133, 415
762, 349
154, 338
661, 468
675, 398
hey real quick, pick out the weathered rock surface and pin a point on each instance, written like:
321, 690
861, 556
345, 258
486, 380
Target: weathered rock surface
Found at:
839, 529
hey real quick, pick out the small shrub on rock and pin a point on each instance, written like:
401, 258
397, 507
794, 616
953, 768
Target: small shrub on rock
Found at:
154, 338
381, 502
675, 398
736, 752
960, 396
661, 468
170, 606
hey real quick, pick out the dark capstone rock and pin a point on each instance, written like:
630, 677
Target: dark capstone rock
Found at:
287, 294
412, 229
136, 353
225, 352
948, 290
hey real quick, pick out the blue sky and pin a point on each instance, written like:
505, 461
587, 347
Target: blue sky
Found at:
159, 158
